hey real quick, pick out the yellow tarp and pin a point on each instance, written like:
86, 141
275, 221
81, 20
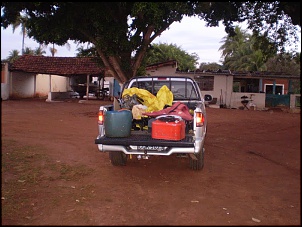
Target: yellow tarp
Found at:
154, 103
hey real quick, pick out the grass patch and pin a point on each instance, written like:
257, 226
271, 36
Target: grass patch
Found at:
73, 172
28, 174
17, 161
19, 173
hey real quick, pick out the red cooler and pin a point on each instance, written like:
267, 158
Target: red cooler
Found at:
168, 127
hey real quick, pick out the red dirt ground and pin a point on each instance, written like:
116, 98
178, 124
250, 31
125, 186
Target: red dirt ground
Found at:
251, 174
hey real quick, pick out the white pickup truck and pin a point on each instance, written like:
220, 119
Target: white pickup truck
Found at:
171, 131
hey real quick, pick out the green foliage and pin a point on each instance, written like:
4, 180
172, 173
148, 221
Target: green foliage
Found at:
21, 21
122, 32
86, 52
246, 52
28, 51
13, 55
210, 66
164, 52
39, 51
286, 63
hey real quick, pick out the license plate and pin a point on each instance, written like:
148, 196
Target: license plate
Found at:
150, 148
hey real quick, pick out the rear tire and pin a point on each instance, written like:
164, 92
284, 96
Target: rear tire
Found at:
117, 158
199, 163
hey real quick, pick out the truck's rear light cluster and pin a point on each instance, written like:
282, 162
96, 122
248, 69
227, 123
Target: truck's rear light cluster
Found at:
101, 117
199, 119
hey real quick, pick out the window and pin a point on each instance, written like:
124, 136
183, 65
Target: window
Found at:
181, 89
246, 85
236, 86
205, 83
279, 89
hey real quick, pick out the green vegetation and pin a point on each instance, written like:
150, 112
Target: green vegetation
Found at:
121, 32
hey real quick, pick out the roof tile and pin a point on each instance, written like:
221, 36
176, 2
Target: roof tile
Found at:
58, 65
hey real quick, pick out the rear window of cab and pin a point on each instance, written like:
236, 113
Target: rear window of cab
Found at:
181, 88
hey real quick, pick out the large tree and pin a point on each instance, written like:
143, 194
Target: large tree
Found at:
246, 52
164, 52
122, 31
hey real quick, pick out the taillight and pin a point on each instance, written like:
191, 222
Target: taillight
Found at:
101, 117
199, 119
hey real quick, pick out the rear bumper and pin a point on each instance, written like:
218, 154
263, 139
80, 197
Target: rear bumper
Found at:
145, 145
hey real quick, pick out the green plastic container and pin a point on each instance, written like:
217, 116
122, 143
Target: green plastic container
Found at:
118, 123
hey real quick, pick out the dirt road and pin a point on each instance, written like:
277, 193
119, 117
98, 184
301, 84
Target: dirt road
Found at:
53, 174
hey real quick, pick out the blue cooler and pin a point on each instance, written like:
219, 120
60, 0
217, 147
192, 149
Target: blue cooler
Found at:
118, 123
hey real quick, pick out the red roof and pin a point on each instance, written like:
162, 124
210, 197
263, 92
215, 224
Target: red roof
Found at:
58, 65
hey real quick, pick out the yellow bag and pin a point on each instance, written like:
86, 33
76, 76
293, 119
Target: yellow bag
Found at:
164, 97
154, 103
143, 94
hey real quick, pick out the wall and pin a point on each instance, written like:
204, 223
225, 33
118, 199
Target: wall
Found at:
162, 71
27, 85
4, 82
258, 99
295, 102
222, 87
58, 84
22, 85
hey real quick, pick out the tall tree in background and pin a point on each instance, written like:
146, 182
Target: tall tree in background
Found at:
246, 52
86, 51
21, 21
286, 62
164, 52
39, 51
53, 50
234, 48
13, 55
123, 31
29, 51
212, 66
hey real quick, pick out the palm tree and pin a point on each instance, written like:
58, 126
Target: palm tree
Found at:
21, 21
53, 50
232, 43
86, 52
39, 51
245, 52
29, 51
13, 55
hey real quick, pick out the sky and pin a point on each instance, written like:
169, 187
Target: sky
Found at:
191, 35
